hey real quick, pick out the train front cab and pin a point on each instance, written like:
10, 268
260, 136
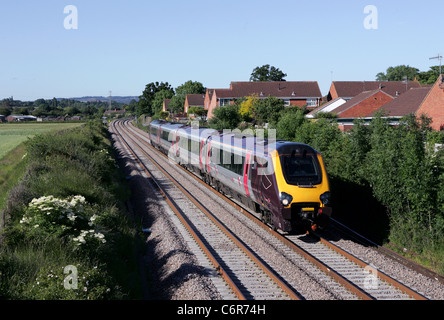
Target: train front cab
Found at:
303, 185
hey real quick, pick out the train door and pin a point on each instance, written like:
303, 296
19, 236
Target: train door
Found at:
260, 180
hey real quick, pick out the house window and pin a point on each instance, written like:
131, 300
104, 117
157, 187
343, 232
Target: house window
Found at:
286, 102
224, 102
312, 102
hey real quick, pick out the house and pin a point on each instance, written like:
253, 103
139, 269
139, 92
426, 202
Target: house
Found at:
20, 118
433, 105
350, 89
405, 104
194, 100
294, 93
426, 100
363, 104
328, 107
166, 102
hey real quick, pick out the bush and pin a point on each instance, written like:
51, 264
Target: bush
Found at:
226, 117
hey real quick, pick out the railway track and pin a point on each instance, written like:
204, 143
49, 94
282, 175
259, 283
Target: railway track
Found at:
247, 276
302, 259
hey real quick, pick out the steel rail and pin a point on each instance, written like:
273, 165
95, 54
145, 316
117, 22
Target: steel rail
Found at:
415, 295
173, 206
388, 252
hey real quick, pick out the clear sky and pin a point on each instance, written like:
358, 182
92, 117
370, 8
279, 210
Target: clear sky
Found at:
120, 46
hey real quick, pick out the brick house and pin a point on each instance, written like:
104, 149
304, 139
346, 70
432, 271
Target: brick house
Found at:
405, 104
363, 104
166, 102
427, 100
350, 89
194, 100
433, 105
294, 93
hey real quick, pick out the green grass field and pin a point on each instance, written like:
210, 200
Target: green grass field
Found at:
12, 134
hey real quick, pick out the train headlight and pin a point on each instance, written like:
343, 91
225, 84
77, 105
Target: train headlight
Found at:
286, 199
325, 198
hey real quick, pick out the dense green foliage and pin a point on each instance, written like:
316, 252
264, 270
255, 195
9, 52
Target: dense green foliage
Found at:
68, 214
267, 73
397, 166
151, 101
399, 73
60, 107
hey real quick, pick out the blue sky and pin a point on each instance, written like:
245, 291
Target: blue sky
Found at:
120, 46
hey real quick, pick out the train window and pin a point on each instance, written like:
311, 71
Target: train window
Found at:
154, 131
165, 134
194, 146
233, 162
215, 155
301, 169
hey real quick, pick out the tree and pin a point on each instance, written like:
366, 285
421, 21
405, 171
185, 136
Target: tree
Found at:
177, 102
429, 77
145, 105
398, 73
227, 117
289, 123
190, 87
248, 106
267, 73
157, 104
269, 110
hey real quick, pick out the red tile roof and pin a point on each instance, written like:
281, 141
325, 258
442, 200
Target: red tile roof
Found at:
406, 103
279, 89
363, 104
196, 99
349, 89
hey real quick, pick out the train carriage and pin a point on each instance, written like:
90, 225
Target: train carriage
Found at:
285, 182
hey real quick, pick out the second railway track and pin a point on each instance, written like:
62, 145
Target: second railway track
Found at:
324, 275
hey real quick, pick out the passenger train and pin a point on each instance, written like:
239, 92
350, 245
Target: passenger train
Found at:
286, 183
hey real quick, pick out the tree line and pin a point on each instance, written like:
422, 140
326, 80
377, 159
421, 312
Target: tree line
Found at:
60, 107
405, 72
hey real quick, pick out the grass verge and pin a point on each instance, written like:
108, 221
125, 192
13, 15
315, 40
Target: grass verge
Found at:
68, 235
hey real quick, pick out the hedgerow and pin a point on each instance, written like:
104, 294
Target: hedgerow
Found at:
383, 173
68, 235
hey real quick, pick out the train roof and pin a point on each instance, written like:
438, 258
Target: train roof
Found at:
236, 139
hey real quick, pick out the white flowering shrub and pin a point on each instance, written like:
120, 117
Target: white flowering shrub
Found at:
62, 217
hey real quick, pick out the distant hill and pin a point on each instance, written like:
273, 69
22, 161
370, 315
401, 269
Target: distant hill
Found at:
125, 99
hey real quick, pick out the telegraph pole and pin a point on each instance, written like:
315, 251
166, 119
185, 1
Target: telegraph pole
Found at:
109, 101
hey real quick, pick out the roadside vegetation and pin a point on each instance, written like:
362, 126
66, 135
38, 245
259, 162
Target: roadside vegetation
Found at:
67, 233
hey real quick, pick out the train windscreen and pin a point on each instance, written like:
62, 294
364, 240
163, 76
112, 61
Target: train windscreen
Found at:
301, 169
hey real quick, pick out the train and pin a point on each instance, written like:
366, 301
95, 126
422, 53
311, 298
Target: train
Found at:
285, 183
